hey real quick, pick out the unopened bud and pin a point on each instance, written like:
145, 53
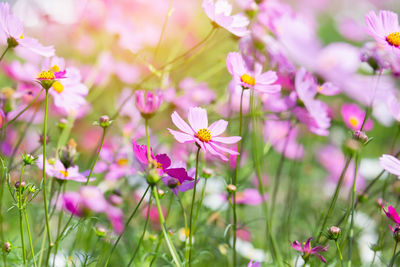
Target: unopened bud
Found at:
104, 121
62, 123
100, 231
41, 139
231, 188
172, 183
153, 177
18, 184
28, 159
351, 146
161, 192
207, 172
334, 232
7, 247
360, 136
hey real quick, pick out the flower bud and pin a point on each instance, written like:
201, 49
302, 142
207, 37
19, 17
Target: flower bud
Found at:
28, 159
161, 193
104, 121
148, 103
62, 123
41, 139
7, 247
172, 183
351, 146
17, 184
360, 136
153, 177
100, 231
231, 188
334, 232
115, 199
68, 153
207, 172
396, 233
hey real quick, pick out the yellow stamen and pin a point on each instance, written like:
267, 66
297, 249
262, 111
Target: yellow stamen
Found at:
393, 38
159, 165
65, 173
319, 88
46, 75
21, 37
204, 135
354, 121
247, 79
58, 87
122, 162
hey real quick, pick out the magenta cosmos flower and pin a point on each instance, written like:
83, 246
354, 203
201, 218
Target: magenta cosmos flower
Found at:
353, 117
220, 13
307, 250
390, 164
90, 199
148, 102
207, 137
261, 82
392, 214
12, 34
384, 28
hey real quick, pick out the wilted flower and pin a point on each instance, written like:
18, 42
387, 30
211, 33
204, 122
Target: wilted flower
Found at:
203, 135
307, 250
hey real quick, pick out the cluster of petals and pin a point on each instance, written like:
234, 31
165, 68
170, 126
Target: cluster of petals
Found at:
198, 131
307, 250
90, 199
148, 102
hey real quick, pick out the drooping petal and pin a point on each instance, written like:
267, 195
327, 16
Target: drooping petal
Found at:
297, 246
307, 246
164, 160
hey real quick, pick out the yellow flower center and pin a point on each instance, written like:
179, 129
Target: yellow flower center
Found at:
353, 121
65, 173
122, 162
247, 79
21, 37
319, 88
204, 135
46, 75
159, 165
393, 38
58, 87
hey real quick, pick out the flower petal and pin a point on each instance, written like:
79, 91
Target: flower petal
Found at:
182, 137
198, 118
181, 124
218, 127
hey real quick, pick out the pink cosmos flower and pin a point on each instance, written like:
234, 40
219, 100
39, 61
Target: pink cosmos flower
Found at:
384, 28
315, 112
249, 196
90, 199
261, 82
178, 180
148, 102
390, 164
207, 137
12, 34
392, 214
353, 117
307, 250
253, 264
57, 170
220, 13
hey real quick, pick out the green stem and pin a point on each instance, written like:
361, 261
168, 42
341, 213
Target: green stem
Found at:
235, 179
334, 198
30, 237
97, 155
126, 225
146, 122
4, 53
394, 255
21, 227
353, 195
144, 232
184, 218
339, 252
44, 170
189, 255
60, 216
170, 245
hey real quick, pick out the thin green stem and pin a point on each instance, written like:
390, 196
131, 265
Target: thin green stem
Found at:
126, 225
353, 195
21, 227
97, 155
189, 255
235, 179
334, 198
170, 245
394, 255
339, 252
44, 170
4, 52
144, 232
29, 236
146, 122
60, 217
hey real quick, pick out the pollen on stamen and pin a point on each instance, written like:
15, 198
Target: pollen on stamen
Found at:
393, 38
247, 79
58, 87
65, 173
204, 135
353, 121
55, 68
46, 75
